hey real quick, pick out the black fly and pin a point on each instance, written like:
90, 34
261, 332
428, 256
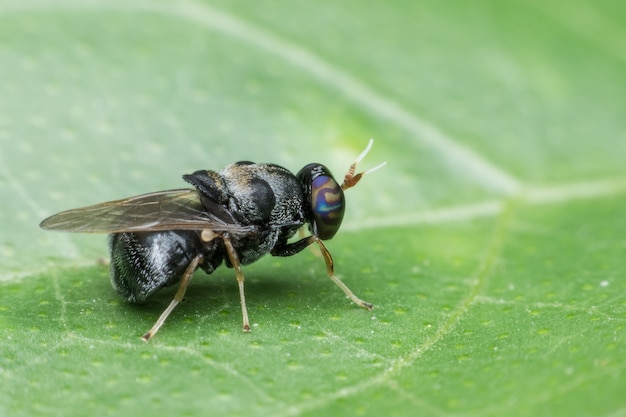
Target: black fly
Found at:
235, 216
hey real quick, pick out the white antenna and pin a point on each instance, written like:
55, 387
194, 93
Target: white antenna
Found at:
350, 180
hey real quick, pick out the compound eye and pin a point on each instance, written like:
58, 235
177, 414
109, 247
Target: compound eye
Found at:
326, 199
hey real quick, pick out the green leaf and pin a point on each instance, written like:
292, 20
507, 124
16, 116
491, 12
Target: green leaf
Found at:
492, 244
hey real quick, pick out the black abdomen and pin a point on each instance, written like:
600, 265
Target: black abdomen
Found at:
142, 263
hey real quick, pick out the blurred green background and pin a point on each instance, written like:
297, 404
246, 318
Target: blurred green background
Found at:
492, 244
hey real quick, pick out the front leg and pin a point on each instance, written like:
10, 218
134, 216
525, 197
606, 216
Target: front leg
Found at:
288, 249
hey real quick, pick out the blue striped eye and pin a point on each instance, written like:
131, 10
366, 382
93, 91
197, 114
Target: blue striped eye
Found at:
324, 198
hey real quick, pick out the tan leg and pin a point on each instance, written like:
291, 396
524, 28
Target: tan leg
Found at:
234, 260
178, 297
314, 250
330, 270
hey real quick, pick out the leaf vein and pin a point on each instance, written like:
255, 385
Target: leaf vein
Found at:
482, 275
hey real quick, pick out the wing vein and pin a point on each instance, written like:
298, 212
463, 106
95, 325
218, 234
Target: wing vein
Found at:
180, 209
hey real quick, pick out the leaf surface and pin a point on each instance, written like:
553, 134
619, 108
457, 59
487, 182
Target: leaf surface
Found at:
492, 244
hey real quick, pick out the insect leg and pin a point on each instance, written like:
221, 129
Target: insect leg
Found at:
234, 260
330, 270
178, 297
315, 251
290, 249
293, 248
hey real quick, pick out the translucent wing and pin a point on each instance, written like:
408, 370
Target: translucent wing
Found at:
163, 210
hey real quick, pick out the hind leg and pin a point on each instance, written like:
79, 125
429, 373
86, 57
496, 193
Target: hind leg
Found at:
178, 297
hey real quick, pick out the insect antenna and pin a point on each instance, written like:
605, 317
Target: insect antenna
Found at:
351, 179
